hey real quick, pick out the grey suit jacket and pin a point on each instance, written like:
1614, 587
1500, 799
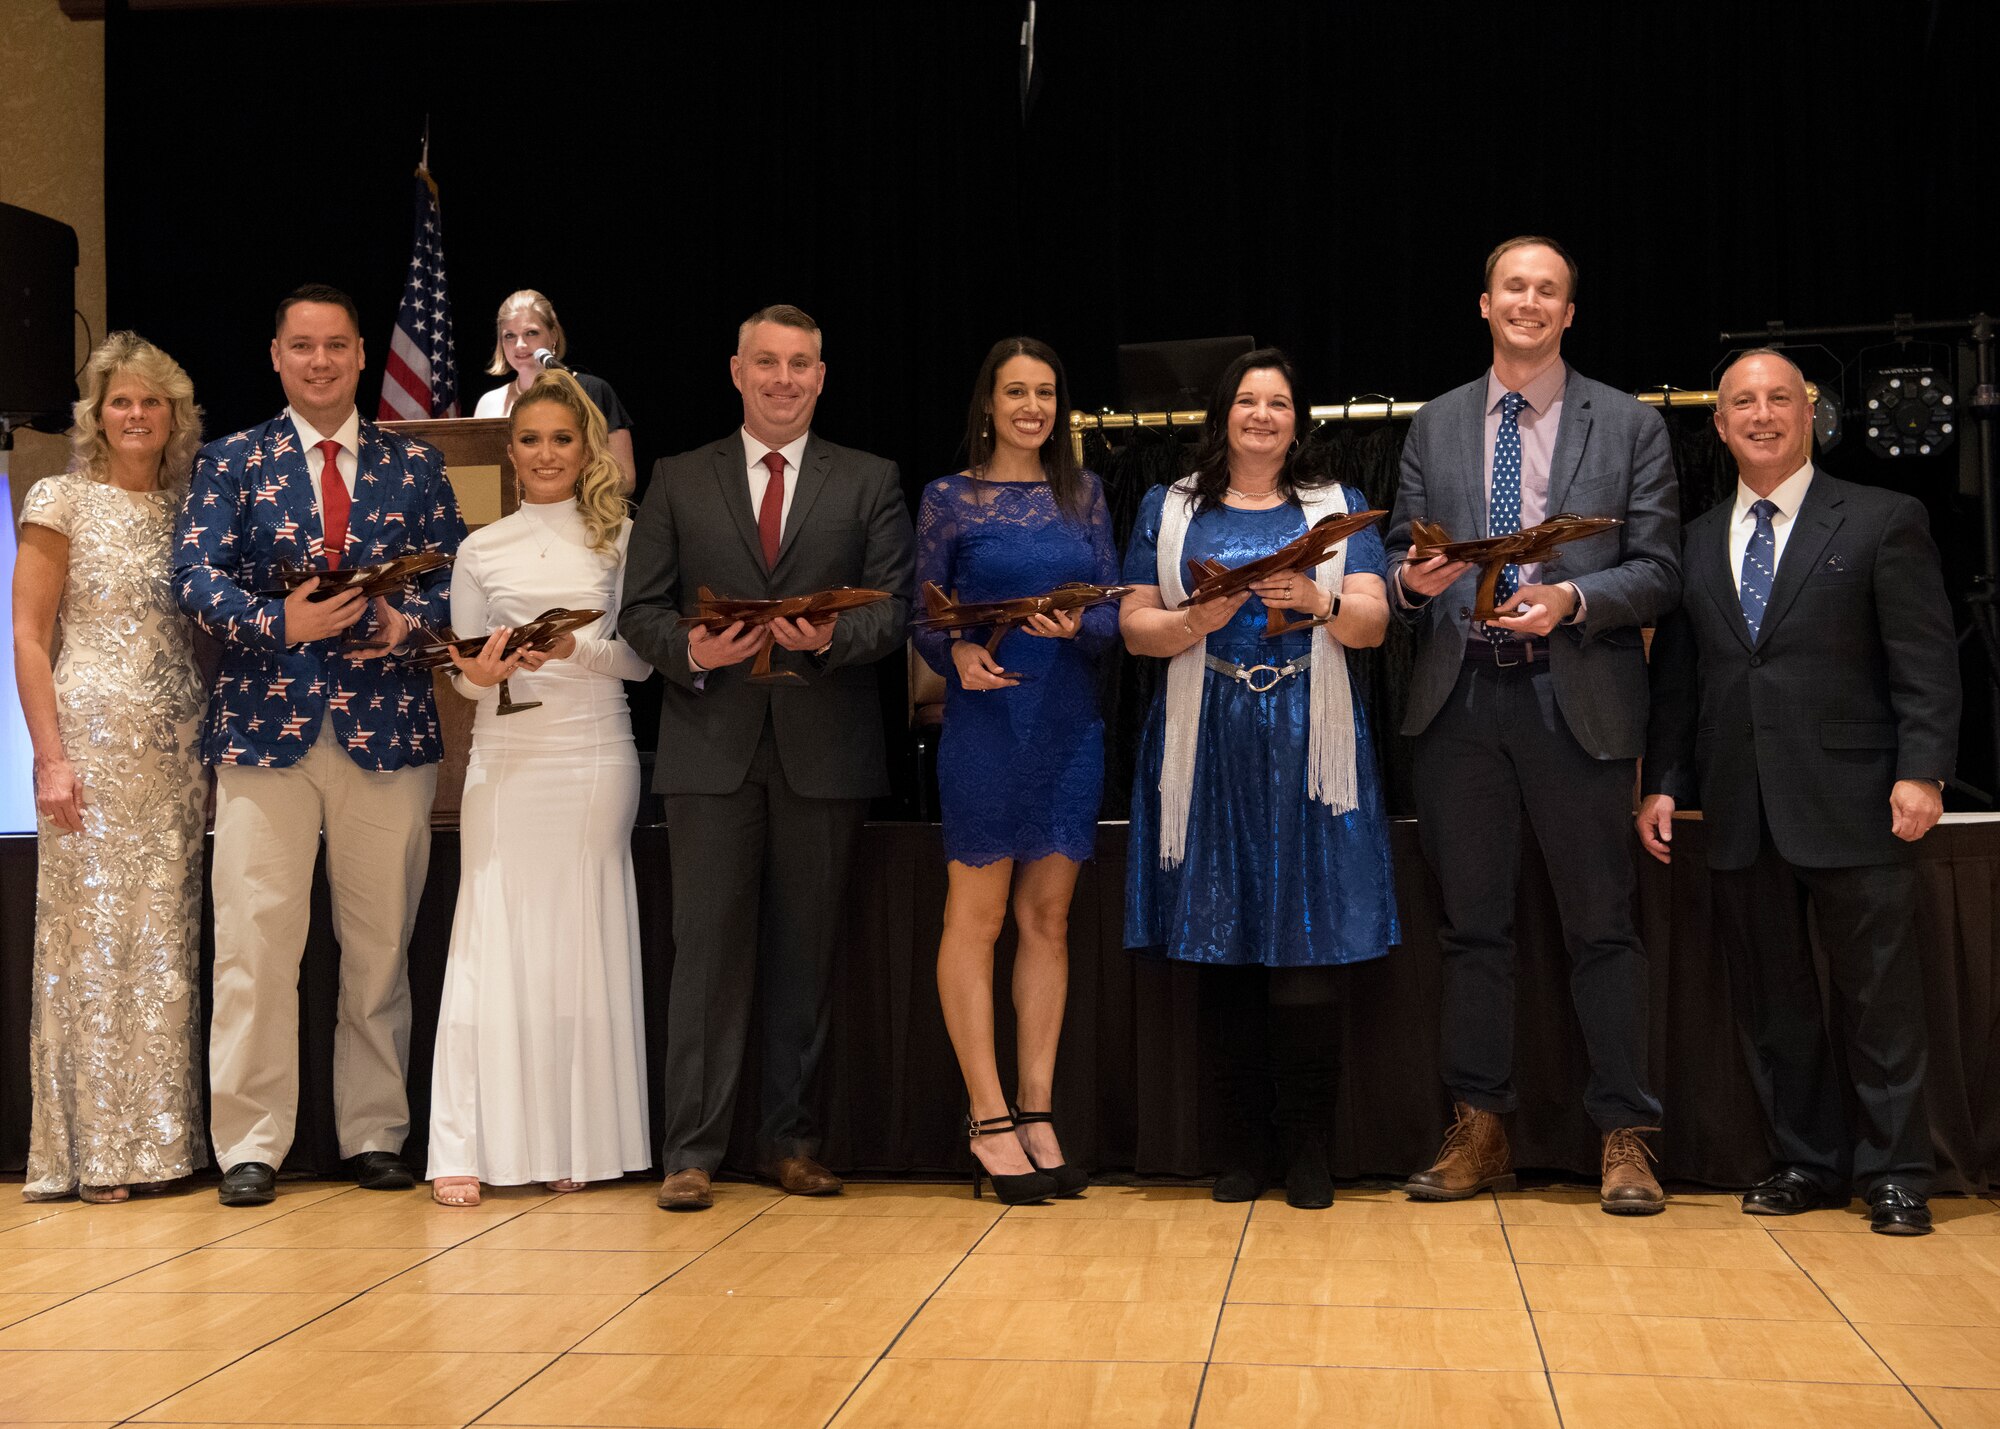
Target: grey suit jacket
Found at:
1611, 459
848, 526
1851, 685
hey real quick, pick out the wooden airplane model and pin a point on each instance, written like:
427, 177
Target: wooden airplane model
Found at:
719, 612
1493, 554
541, 633
378, 579
1211, 580
941, 612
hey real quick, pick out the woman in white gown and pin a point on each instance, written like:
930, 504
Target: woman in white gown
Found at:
540, 1066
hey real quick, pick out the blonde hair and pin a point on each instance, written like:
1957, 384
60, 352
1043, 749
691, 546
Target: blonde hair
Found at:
598, 495
127, 352
527, 300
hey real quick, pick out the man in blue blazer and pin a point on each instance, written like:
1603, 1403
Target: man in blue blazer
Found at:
309, 737
1806, 698
1543, 710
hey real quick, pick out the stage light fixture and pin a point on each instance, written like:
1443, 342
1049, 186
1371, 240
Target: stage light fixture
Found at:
1908, 411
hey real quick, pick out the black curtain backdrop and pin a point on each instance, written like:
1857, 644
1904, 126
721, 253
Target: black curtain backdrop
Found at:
1327, 177
1130, 1086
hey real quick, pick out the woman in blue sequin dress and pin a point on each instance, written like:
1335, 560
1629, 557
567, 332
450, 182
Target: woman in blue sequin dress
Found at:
1021, 764
1259, 849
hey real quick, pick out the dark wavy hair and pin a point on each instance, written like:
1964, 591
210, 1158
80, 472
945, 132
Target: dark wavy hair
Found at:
1059, 464
1211, 457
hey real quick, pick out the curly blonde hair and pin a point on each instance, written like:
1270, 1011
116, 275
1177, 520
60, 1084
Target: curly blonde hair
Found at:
122, 353
527, 300
598, 495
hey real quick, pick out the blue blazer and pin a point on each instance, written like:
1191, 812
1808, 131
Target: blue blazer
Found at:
250, 508
1611, 459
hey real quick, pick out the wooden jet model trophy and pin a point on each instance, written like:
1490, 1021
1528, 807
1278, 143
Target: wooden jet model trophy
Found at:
1493, 554
1214, 581
378, 579
718, 612
941, 612
541, 633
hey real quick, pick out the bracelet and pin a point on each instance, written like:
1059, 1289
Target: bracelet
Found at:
1187, 622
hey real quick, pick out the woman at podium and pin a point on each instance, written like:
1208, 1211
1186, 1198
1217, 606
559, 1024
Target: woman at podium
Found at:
1259, 850
539, 1073
1021, 764
115, 721
525, 326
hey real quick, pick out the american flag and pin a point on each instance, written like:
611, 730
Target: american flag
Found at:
420, 378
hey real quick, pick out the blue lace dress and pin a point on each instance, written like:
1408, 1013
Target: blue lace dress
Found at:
1272, 875
1020, 771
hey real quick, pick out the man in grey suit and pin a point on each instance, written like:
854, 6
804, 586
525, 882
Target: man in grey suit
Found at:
1544, 709
765, 784
1806, 697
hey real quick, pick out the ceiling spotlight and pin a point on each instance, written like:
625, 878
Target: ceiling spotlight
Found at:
1908, 411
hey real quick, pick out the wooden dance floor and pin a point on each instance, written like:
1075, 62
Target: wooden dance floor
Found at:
914, 1305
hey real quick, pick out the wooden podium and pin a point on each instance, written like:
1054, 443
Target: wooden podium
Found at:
482, 478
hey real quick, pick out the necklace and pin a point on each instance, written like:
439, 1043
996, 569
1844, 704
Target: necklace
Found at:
1252, 495
542, 554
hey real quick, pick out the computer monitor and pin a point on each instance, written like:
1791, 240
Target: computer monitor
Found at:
1175, 376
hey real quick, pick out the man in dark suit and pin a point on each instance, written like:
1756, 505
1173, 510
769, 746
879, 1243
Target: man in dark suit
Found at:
1543, 709
765, 784
310, 736
1806, 698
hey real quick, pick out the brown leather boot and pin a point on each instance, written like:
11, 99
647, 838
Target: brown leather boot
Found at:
686, 1191
1630, 1188
1474, 1158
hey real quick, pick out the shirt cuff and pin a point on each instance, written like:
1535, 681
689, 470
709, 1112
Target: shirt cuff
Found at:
1404, 598
1576, 617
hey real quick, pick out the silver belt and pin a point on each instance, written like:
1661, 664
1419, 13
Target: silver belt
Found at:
1249, 675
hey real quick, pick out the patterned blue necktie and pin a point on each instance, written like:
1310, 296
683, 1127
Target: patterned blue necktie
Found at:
1504, 505
1760, 567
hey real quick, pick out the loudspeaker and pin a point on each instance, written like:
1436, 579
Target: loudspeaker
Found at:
37, 319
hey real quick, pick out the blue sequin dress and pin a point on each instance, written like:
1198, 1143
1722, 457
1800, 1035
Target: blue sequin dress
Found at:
1021, 770
1272, 875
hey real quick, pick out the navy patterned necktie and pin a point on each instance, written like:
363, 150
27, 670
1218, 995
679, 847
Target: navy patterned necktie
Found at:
1504, 505
1760, 568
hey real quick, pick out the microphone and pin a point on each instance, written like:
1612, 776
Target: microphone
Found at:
546, 359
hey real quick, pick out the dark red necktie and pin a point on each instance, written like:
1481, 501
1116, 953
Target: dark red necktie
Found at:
333, 504
771, 511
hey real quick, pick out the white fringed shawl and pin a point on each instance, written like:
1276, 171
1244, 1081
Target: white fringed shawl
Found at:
1330, 776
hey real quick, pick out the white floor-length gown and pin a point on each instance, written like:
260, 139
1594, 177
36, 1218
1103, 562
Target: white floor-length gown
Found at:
540, 1072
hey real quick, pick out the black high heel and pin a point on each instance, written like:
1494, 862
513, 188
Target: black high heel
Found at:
1026, 1189
1069, 1180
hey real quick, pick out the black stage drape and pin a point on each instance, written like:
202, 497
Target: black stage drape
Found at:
1129, 1088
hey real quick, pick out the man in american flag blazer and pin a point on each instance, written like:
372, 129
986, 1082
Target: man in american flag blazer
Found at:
307, 737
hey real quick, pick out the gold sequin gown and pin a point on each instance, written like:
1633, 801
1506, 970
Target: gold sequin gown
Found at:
117, 907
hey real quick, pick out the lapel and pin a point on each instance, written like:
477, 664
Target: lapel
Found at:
376, 477
733, 478
1571, 437
1471, 435
813, 464
281, 494
1819, 517
1707, 556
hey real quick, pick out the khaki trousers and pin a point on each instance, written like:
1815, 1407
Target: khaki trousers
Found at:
267, 830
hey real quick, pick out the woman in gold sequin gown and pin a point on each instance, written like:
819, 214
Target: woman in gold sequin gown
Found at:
113, 701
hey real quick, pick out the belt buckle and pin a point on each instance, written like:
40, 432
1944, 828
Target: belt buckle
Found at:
1250, 673
1499, 649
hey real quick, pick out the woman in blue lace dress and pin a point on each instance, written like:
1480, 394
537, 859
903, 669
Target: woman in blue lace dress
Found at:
1259, 849
1021, 763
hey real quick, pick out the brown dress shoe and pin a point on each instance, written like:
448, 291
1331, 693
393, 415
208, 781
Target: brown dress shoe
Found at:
1630, 1188
803, 1176
686, 1191
1474, 1158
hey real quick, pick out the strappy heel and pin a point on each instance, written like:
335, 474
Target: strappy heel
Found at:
1069, 1180
1026, 1189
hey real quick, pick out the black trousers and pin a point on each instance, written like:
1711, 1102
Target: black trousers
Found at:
1862, 918
759, 878
1499, 747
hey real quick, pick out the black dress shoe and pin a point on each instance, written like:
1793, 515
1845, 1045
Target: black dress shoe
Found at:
382, 1171
1789, 1193
1897, 1210
251, 1183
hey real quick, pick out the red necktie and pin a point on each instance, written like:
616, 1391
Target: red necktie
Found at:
333, 504
771, 512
